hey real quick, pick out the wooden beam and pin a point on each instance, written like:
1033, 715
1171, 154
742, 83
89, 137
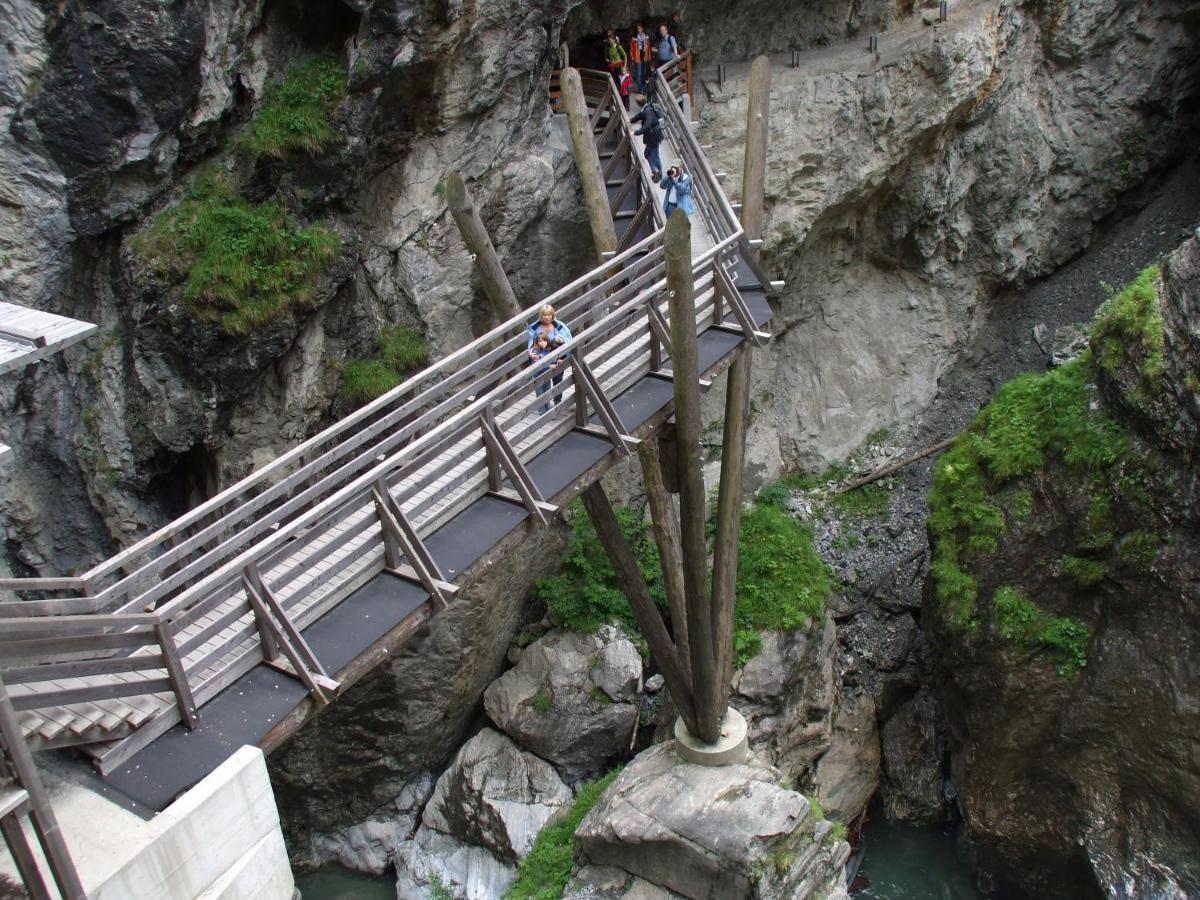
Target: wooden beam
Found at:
416, 553
588, 162
475, 236
709, 698
266, 608
729, 512
633, 584
665, 523
755, 163
498, 444
177, 675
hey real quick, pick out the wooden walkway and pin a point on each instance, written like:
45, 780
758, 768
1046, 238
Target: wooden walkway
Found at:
237, 621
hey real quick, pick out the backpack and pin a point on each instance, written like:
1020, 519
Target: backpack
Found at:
654, 133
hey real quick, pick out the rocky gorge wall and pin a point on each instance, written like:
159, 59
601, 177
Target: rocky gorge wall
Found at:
110, 114
1064, 656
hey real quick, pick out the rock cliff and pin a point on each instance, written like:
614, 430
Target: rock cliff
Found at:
1063, 608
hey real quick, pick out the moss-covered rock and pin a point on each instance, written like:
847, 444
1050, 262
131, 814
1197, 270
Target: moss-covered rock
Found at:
1064, 612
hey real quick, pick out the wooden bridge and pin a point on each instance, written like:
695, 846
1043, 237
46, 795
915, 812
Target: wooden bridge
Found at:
232, 624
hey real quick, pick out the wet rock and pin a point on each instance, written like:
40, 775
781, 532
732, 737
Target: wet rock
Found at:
571, 699
369, 846
846, 777
913, 752
710, 832
496, 796
787, 695
611, 883
434, 862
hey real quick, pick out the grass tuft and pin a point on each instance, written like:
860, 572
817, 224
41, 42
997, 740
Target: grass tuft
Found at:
1130, 320
1019, 620
401, 350
296, 112
243, 264
544, 873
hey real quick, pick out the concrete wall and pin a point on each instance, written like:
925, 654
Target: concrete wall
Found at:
219, 841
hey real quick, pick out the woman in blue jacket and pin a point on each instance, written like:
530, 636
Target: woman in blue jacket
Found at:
678, 185
556, 333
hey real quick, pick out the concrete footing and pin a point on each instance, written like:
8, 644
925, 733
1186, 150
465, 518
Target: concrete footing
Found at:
732, 748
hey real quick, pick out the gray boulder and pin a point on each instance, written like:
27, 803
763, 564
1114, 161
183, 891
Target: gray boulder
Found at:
433, 863
847, 775
572, 699
610, 883
913, 750
711, 832
787, 694
496, 796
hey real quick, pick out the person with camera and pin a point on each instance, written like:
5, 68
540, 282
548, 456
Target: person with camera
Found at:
678, 186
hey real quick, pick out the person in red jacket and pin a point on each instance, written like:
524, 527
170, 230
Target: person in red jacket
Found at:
639, 56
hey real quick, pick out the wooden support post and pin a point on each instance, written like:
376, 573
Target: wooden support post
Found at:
665, 653
709, 694
45, 825
421, 561
304, 662
177, 674
668, 456
22, 854
588, 163
729, 511
475, 236
666, 535
755, 166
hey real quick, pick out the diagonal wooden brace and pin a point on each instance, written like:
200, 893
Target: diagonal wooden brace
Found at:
585, 379
497, 444
400, 531
270, 613
737, 304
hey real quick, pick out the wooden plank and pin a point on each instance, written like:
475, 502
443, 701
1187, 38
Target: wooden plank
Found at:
83, 668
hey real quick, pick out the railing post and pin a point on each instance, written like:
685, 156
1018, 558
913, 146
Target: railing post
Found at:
177, 674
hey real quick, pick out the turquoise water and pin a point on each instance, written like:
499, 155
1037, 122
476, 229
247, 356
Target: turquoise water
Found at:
905, 863
335, 883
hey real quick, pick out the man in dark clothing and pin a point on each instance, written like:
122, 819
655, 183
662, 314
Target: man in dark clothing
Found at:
651, 131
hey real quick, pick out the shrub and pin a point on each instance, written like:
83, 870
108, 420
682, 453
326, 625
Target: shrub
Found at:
295, 113
1086, 572
243, 264
544, 873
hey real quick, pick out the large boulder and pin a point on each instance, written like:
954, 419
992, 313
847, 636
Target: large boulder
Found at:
787, 694
913, 749
496, 796
846, 777
712, 832
433, 863
572, 699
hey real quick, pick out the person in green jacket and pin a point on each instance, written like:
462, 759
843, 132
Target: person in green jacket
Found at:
615, 56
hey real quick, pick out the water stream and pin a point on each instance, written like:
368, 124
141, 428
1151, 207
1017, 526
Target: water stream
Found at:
903, 862
336, 883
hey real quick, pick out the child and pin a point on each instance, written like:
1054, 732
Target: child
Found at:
625, 86
540, 349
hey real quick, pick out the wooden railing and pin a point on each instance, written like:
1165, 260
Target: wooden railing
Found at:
191, 607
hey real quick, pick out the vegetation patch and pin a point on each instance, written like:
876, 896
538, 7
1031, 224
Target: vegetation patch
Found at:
542, 703
401, 351
1034, 418
782, 582
544, 873
243, 264
296, 113
1130, 324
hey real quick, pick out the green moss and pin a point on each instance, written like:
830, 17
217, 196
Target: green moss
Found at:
1034, 418
438, 889
1131, 320
296, 112
1018, 619
542, 703
1020, 505
1138, 549
243, 264
867, 502
544, 873
401, 350
838, 832
600, 697
1086, 572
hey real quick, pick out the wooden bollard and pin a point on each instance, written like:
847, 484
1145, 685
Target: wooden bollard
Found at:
475, 236
588, 163
754, 172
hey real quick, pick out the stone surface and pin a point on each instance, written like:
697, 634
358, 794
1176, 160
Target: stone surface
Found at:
611, 883
906, 193
433, 863
704, 832
571, 699
847, 775
787, 694
496, 796
369, 846
1082, 781
913, 784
